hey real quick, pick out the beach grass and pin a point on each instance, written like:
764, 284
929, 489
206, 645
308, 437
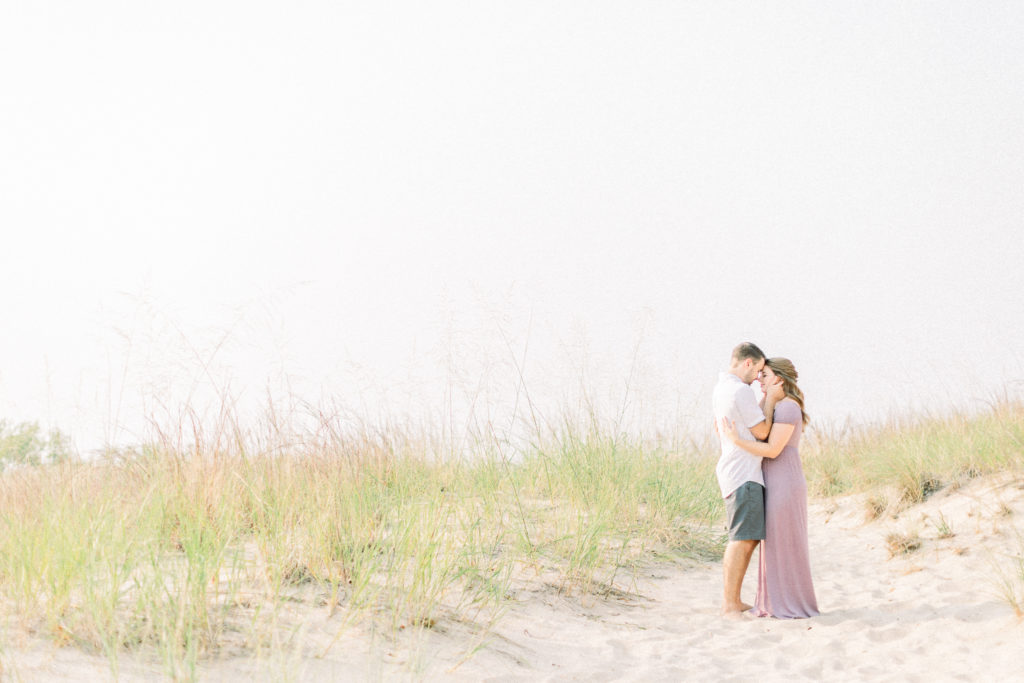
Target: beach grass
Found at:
906, 459
1010, 578
182, 552
201, 544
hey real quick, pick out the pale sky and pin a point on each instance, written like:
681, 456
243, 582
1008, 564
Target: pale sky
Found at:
382, 204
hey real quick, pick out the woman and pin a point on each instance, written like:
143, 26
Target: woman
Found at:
784, 587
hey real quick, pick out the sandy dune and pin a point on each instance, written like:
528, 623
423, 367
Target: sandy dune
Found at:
932, 614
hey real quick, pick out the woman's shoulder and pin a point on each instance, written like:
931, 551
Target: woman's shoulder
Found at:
788, 409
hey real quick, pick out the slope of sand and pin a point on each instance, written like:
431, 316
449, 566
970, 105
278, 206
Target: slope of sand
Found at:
931, 614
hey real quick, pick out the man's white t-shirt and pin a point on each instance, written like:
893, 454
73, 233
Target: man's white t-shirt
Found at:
735, 400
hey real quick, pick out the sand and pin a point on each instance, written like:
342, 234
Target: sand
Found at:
933, 614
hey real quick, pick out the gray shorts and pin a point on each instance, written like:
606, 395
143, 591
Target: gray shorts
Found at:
744, 509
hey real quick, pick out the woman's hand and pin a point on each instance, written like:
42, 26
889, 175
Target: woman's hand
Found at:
776, 391
728, 430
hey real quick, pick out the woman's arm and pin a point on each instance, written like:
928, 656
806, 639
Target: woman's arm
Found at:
772, 395
777, 439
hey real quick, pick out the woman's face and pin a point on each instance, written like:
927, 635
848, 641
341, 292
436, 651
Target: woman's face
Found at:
766, 378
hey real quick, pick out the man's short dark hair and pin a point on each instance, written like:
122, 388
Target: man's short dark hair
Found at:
747, 350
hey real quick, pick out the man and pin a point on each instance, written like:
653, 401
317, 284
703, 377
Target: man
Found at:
739, 472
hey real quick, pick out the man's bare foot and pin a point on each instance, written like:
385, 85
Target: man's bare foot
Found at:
737, 616
737, 610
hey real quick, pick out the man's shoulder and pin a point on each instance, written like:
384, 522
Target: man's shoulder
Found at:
729, 383
727, 379
728, 395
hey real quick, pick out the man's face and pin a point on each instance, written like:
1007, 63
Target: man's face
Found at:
752, 369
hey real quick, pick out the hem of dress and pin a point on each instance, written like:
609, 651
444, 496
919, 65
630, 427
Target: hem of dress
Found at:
765, 614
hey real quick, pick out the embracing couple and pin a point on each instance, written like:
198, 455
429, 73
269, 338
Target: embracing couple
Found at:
763, 484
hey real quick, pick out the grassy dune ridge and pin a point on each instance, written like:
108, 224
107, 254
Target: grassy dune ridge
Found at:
909, 458
181, 552
187, 551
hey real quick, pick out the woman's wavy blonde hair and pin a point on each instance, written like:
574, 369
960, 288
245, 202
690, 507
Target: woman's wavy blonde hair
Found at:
783, 367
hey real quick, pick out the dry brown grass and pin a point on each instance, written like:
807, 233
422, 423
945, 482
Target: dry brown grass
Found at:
902, 544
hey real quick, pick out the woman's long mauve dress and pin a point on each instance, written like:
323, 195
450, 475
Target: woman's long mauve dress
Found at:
784, 587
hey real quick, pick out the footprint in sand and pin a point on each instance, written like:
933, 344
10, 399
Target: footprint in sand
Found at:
886, 635
619, 649
814, 672
872, 672
836, 648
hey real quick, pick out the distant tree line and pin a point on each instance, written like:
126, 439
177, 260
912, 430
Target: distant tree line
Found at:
26, 443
